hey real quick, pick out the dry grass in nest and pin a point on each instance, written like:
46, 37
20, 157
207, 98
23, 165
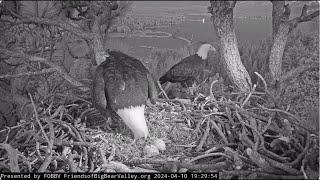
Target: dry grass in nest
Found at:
236, 135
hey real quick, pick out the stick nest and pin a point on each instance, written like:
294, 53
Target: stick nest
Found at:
234, 133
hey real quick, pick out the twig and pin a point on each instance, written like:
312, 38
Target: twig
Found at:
117, 166
13, 127
253, 126
259, 160
214, 113
259, 173
215, 126
67, 143
216, 147
204, 137
38, 151
43, 71
181, 103
48, 158
7, 136
139, 169
161, 89
25, 161
304, 152
13, 157
243, 137
249, 95
58, 68
267, 126
37, 119
211, 87
264, 82
272, 155
208, 155
73, 167
113, 153
103, 157
304, 172
85, 156
190, 145
296, 122
178, 164
281, 166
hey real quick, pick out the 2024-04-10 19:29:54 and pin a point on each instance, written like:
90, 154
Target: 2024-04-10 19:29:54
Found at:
186, 175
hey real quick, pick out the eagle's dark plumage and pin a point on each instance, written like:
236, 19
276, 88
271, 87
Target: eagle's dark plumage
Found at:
121, 87
186, 71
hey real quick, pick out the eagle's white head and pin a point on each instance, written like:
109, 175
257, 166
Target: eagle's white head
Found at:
204, 49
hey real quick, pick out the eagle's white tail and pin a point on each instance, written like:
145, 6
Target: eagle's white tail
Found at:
134, 118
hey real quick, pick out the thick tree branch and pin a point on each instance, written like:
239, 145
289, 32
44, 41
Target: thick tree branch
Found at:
302, 18
59, 69
305, 17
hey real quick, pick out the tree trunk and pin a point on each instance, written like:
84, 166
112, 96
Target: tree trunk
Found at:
98, 44
100, 52
277, 10
282, 27
222, 18
276, 53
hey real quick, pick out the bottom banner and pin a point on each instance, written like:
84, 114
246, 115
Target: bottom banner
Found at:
4, 176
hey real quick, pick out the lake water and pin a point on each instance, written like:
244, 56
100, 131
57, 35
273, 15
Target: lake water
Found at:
247, 30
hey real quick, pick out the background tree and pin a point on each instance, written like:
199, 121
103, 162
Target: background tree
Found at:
222, 18
47, 46
282, 26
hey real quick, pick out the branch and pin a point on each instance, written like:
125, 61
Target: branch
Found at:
286, 13
309, 17
43, 71
161, 89
59, 23
304, 17
38, 120
64, 74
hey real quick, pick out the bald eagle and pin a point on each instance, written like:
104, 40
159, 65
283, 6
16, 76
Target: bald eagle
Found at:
186, 71
121, 87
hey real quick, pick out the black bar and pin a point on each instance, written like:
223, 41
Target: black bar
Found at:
101, 176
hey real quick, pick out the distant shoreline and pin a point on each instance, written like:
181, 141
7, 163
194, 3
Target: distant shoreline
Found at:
148, 34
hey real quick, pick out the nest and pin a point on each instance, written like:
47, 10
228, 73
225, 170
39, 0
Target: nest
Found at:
231, 134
